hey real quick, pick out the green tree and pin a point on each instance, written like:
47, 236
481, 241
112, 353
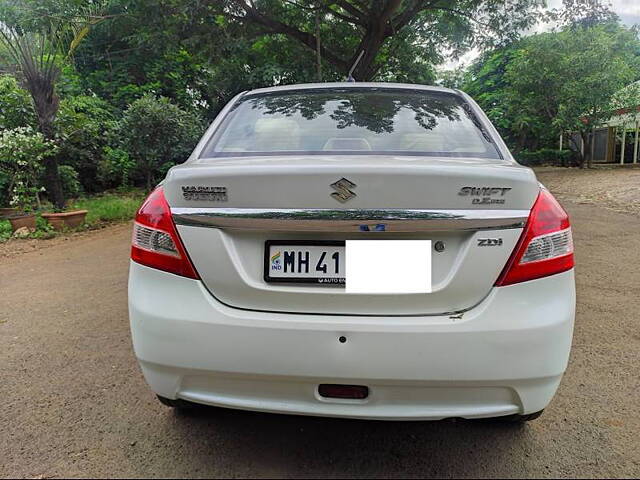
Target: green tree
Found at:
570, 78
21, 152
15, 105
85, 125
200, 53
158, 134
37, 48
561, 81
382, 30
486, 81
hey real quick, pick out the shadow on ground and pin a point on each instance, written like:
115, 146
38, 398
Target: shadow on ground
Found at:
265, 443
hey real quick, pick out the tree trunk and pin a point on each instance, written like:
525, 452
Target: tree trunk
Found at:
46, 104
373, 40
149, 179
52, 182
586, 157
318, 48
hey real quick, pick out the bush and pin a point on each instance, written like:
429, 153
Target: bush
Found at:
21, 153
5, 183
115, 168
43, 229
158, 134
16, 109
110, 207
85, 125
547, 156
70, 183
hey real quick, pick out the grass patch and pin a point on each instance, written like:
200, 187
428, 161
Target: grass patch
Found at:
103, 208
5, 230
109, 207
43, 230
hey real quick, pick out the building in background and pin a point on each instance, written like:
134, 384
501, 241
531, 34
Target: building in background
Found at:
615, 141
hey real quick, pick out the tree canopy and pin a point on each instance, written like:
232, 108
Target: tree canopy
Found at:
102, 78
563, 81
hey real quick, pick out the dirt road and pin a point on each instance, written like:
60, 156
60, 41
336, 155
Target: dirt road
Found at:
75, 403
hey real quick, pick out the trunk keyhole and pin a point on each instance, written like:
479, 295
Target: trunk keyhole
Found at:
439, 246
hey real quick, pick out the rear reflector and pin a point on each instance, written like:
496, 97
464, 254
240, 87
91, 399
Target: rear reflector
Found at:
155, 242
353, 392
548, 246
545, 246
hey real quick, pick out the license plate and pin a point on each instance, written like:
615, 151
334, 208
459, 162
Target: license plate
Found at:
305, 262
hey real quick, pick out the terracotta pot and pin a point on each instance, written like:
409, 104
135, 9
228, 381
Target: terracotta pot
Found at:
60, 221
7, 212
20, 221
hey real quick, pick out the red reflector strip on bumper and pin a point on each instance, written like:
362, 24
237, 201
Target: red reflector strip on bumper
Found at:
353, 392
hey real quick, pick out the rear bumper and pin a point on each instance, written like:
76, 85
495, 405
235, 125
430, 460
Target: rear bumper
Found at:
504, 356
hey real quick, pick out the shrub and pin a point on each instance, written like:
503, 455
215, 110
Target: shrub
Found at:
70, 184
84, 126
21, 153
16, 109
547, 156
5, 183
158, 134
109, 207
115, 168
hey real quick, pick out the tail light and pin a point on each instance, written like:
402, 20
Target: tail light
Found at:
155, 241
545, 246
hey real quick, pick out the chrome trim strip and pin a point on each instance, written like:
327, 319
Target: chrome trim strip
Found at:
349, 220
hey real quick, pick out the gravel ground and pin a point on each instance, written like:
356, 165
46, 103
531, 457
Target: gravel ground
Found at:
614, 188
75, 403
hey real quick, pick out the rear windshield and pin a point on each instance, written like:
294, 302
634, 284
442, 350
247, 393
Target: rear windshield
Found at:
352, 121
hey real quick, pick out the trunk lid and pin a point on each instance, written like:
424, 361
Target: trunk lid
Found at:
461, 202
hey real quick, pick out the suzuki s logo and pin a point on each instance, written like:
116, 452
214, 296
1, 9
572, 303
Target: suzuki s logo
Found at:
342, 190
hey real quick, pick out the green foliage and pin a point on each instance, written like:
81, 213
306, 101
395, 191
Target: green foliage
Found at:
21, 153
555, 82
115, 168
572, 76
43, 230
16, 109
134, 92
158, 134
70, 184
485, 81
547, 156
38, 39
5, 184
84, 127
202, 53
103, 208
5, 230
110, 207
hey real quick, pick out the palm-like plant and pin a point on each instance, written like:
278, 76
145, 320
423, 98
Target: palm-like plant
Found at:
37, 53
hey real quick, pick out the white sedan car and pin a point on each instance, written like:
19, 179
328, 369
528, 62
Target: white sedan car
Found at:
363, 250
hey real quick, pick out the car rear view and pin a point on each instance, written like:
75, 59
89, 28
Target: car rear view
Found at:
356, 250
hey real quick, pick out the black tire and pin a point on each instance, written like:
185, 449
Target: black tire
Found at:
518, 418
178, 404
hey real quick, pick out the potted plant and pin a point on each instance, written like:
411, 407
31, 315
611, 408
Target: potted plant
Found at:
61, 220
24, 198
6, 212
21, 152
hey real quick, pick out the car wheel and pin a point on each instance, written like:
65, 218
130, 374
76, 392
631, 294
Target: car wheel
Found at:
178, 403
518, 418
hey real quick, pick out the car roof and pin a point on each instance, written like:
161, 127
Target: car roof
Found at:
343, 85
